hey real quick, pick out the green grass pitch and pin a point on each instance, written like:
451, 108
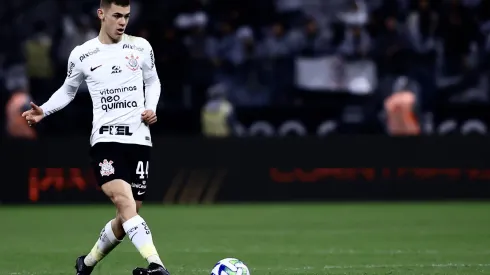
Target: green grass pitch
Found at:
344, 238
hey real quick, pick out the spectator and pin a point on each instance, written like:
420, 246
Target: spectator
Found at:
217, 115
255, 46
356, 44
279, 47
391, 48
199, 47
171, 58
16, 85
39, 63
458, 31
422, 25
356, 14
290, 10
250, 79
314, 41
277, 43
221, 49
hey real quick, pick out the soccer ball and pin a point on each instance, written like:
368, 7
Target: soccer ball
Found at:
230, 266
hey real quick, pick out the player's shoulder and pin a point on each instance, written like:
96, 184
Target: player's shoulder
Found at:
88, 48
135, 42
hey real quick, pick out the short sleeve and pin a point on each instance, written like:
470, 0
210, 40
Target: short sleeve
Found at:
149, 68
74, 75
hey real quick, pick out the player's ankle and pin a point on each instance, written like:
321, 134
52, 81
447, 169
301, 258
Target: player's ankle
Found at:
89, 260
155, 259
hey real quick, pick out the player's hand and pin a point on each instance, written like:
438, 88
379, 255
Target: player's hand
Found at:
149, 117
34, 115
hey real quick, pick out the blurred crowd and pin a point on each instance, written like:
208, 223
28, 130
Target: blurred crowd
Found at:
267, 52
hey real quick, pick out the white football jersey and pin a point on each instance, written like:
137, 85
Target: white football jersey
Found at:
114, 74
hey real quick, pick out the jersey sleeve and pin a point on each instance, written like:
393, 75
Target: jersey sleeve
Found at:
66, 93
150, 78
149, 68
62, 97
74, 74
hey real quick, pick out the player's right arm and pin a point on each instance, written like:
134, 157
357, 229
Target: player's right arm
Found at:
66, 93
63, 96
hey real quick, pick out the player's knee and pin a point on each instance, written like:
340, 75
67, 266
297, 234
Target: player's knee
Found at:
120, 194
126, 206
124, 202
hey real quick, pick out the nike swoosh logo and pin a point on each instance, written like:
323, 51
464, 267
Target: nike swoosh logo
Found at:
141, 193
95, 68
131, 238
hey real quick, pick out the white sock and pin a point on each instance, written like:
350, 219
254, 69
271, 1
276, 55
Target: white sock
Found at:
139, 233
106, 243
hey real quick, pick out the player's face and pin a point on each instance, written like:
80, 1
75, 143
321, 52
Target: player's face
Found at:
114, 20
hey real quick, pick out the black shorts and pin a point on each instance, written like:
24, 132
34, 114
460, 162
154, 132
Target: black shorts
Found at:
128, 162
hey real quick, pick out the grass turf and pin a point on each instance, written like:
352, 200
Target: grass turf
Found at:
376, 238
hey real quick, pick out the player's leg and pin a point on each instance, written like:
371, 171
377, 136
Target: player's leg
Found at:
109, 164
155, 265
111, 235
144, 240
133, 225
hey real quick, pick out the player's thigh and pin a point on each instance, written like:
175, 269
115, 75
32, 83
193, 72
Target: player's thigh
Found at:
120, 193
111, 167
140, 162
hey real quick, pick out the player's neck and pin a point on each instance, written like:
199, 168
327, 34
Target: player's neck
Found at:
104, 38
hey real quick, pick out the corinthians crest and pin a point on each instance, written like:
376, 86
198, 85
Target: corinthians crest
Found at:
106, 168
132, 62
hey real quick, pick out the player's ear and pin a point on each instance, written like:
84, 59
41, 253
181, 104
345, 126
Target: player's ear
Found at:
100, 14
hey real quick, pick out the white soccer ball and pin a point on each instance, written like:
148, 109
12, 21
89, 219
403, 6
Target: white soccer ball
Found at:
230, 266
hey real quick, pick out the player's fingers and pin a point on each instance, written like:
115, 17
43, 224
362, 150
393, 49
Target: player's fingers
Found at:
31, 121
153, 120
26, 113
35, 107
146, 113
145, 116
150, 120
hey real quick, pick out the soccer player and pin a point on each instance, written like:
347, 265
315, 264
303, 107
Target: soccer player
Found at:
115, 67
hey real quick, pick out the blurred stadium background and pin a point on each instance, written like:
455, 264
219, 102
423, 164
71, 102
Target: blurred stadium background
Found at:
273, 68
342, 58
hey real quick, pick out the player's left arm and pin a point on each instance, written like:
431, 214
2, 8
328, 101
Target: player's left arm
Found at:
152, 84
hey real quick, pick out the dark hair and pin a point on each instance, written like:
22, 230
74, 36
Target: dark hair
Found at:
108, 3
